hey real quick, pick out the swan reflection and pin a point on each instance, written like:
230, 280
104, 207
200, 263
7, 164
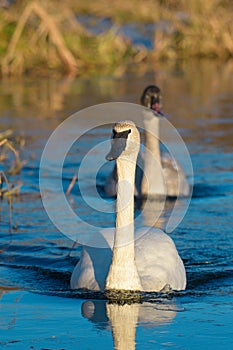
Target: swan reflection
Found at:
124, 319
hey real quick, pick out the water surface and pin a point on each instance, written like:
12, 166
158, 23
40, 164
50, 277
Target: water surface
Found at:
38, 310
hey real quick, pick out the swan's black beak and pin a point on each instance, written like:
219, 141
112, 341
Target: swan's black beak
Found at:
118, 142
118, 146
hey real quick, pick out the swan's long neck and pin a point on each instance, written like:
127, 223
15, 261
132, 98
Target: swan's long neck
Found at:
153, 180
123, 274
125, 202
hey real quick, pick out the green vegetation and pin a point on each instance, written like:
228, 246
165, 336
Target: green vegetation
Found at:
40, 37
123, 297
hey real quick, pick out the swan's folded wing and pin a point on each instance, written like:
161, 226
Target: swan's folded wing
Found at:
158, 262
92, 269
174, 175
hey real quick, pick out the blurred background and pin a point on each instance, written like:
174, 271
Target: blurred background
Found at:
87, 37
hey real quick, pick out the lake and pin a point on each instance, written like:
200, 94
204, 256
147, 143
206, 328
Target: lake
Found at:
38, 310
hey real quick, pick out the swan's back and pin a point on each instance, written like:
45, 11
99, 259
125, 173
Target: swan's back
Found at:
173, 176
158, 262
171, 170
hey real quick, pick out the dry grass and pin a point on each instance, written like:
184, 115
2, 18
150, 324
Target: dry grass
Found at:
9, 189
203, 29
42, 37
9, 154
45, 36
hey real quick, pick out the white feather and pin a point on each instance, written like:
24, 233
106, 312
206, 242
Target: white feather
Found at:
157, 260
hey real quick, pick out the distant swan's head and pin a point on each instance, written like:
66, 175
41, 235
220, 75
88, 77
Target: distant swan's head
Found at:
125, 141
151, 98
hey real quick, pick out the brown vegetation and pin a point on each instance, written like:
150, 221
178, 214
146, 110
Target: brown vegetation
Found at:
53, 38
44, 36
7, 146
49, 27
202, 29
7, 188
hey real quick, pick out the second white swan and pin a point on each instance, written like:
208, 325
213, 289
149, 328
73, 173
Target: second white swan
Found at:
161, 175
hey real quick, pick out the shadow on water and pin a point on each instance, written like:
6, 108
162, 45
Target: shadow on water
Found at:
205, 191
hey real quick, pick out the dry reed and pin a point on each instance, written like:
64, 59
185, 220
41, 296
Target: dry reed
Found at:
47, 35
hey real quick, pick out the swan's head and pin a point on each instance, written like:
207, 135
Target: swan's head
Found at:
151, 98
125, 141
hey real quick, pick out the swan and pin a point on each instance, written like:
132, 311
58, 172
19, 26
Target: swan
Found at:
171, 182
175, 182
143, 261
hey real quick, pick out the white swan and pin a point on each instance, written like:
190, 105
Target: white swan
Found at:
171, 181
147, 261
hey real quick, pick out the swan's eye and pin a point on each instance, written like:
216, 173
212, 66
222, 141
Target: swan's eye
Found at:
120, 135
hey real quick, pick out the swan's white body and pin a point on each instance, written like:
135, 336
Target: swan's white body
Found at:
161, 174
145, 261
157, 262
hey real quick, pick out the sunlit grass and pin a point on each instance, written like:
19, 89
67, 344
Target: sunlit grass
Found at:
204, 29
45, 36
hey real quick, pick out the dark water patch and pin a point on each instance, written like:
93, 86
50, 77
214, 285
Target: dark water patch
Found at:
202, 190
34, 277
212, 279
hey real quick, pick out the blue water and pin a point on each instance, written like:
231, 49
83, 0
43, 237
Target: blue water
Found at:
38, 310
139, 34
